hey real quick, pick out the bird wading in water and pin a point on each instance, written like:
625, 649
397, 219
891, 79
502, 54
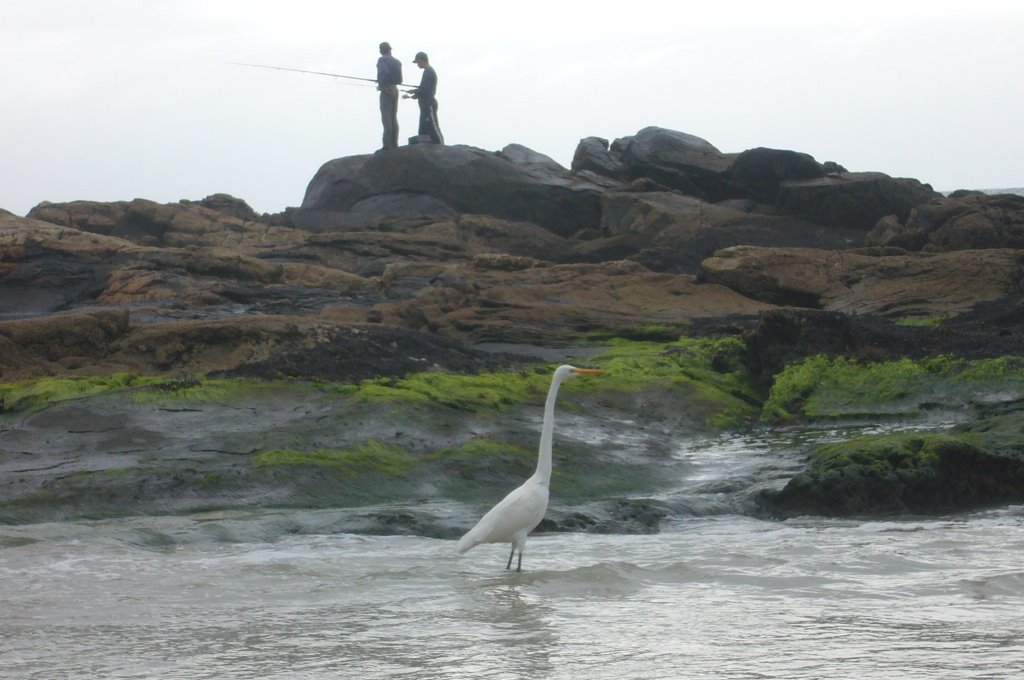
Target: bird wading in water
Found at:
522, 509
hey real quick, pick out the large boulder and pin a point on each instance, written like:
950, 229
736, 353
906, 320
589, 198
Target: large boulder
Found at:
965, 220
856, 200
593, 155
676, 160
448, 180
758, 173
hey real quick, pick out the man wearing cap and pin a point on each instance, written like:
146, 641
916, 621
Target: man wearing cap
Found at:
389, 77
425, 95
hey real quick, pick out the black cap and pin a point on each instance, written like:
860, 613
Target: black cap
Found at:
421, 56
385, 47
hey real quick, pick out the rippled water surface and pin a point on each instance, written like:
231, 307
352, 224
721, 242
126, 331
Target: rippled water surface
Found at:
231, 596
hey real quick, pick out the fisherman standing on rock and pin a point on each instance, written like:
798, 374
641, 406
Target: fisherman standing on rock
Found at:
389, 77
426, 96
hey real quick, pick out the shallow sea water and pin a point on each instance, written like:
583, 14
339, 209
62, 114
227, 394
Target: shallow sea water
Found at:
225, 595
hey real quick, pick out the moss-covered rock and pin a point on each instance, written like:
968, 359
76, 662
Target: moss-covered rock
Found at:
916, 473
976, 464
704, 378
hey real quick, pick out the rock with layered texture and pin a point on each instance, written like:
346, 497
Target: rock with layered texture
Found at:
500, 298
229, 223
46, 268
885, 283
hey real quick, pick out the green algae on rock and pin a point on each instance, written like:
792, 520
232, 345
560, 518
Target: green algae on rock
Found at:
705, 377
824, 388
369, 457
26, 396
465, 392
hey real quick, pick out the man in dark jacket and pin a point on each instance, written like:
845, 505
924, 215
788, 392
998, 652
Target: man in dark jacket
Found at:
426, 96
389, 77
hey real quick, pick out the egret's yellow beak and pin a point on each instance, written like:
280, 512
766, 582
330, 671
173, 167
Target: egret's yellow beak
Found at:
587, 371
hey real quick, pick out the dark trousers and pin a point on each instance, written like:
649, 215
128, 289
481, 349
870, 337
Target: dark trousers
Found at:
428, 120
389, 115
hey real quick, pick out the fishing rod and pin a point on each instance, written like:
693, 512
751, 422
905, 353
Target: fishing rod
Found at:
316, 73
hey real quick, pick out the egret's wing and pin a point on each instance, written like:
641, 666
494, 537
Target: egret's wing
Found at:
520, 511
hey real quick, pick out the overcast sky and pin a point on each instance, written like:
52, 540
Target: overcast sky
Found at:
118, 99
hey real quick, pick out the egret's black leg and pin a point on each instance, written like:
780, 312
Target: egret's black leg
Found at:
511, 555
519, 565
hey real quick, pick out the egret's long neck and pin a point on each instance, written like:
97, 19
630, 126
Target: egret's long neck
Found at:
547, 431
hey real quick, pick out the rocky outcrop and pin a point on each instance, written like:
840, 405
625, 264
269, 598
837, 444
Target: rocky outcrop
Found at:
503, 246
448, 180
966, 220
791, 183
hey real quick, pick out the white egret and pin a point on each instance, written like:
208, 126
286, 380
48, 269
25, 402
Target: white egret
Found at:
522, 509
